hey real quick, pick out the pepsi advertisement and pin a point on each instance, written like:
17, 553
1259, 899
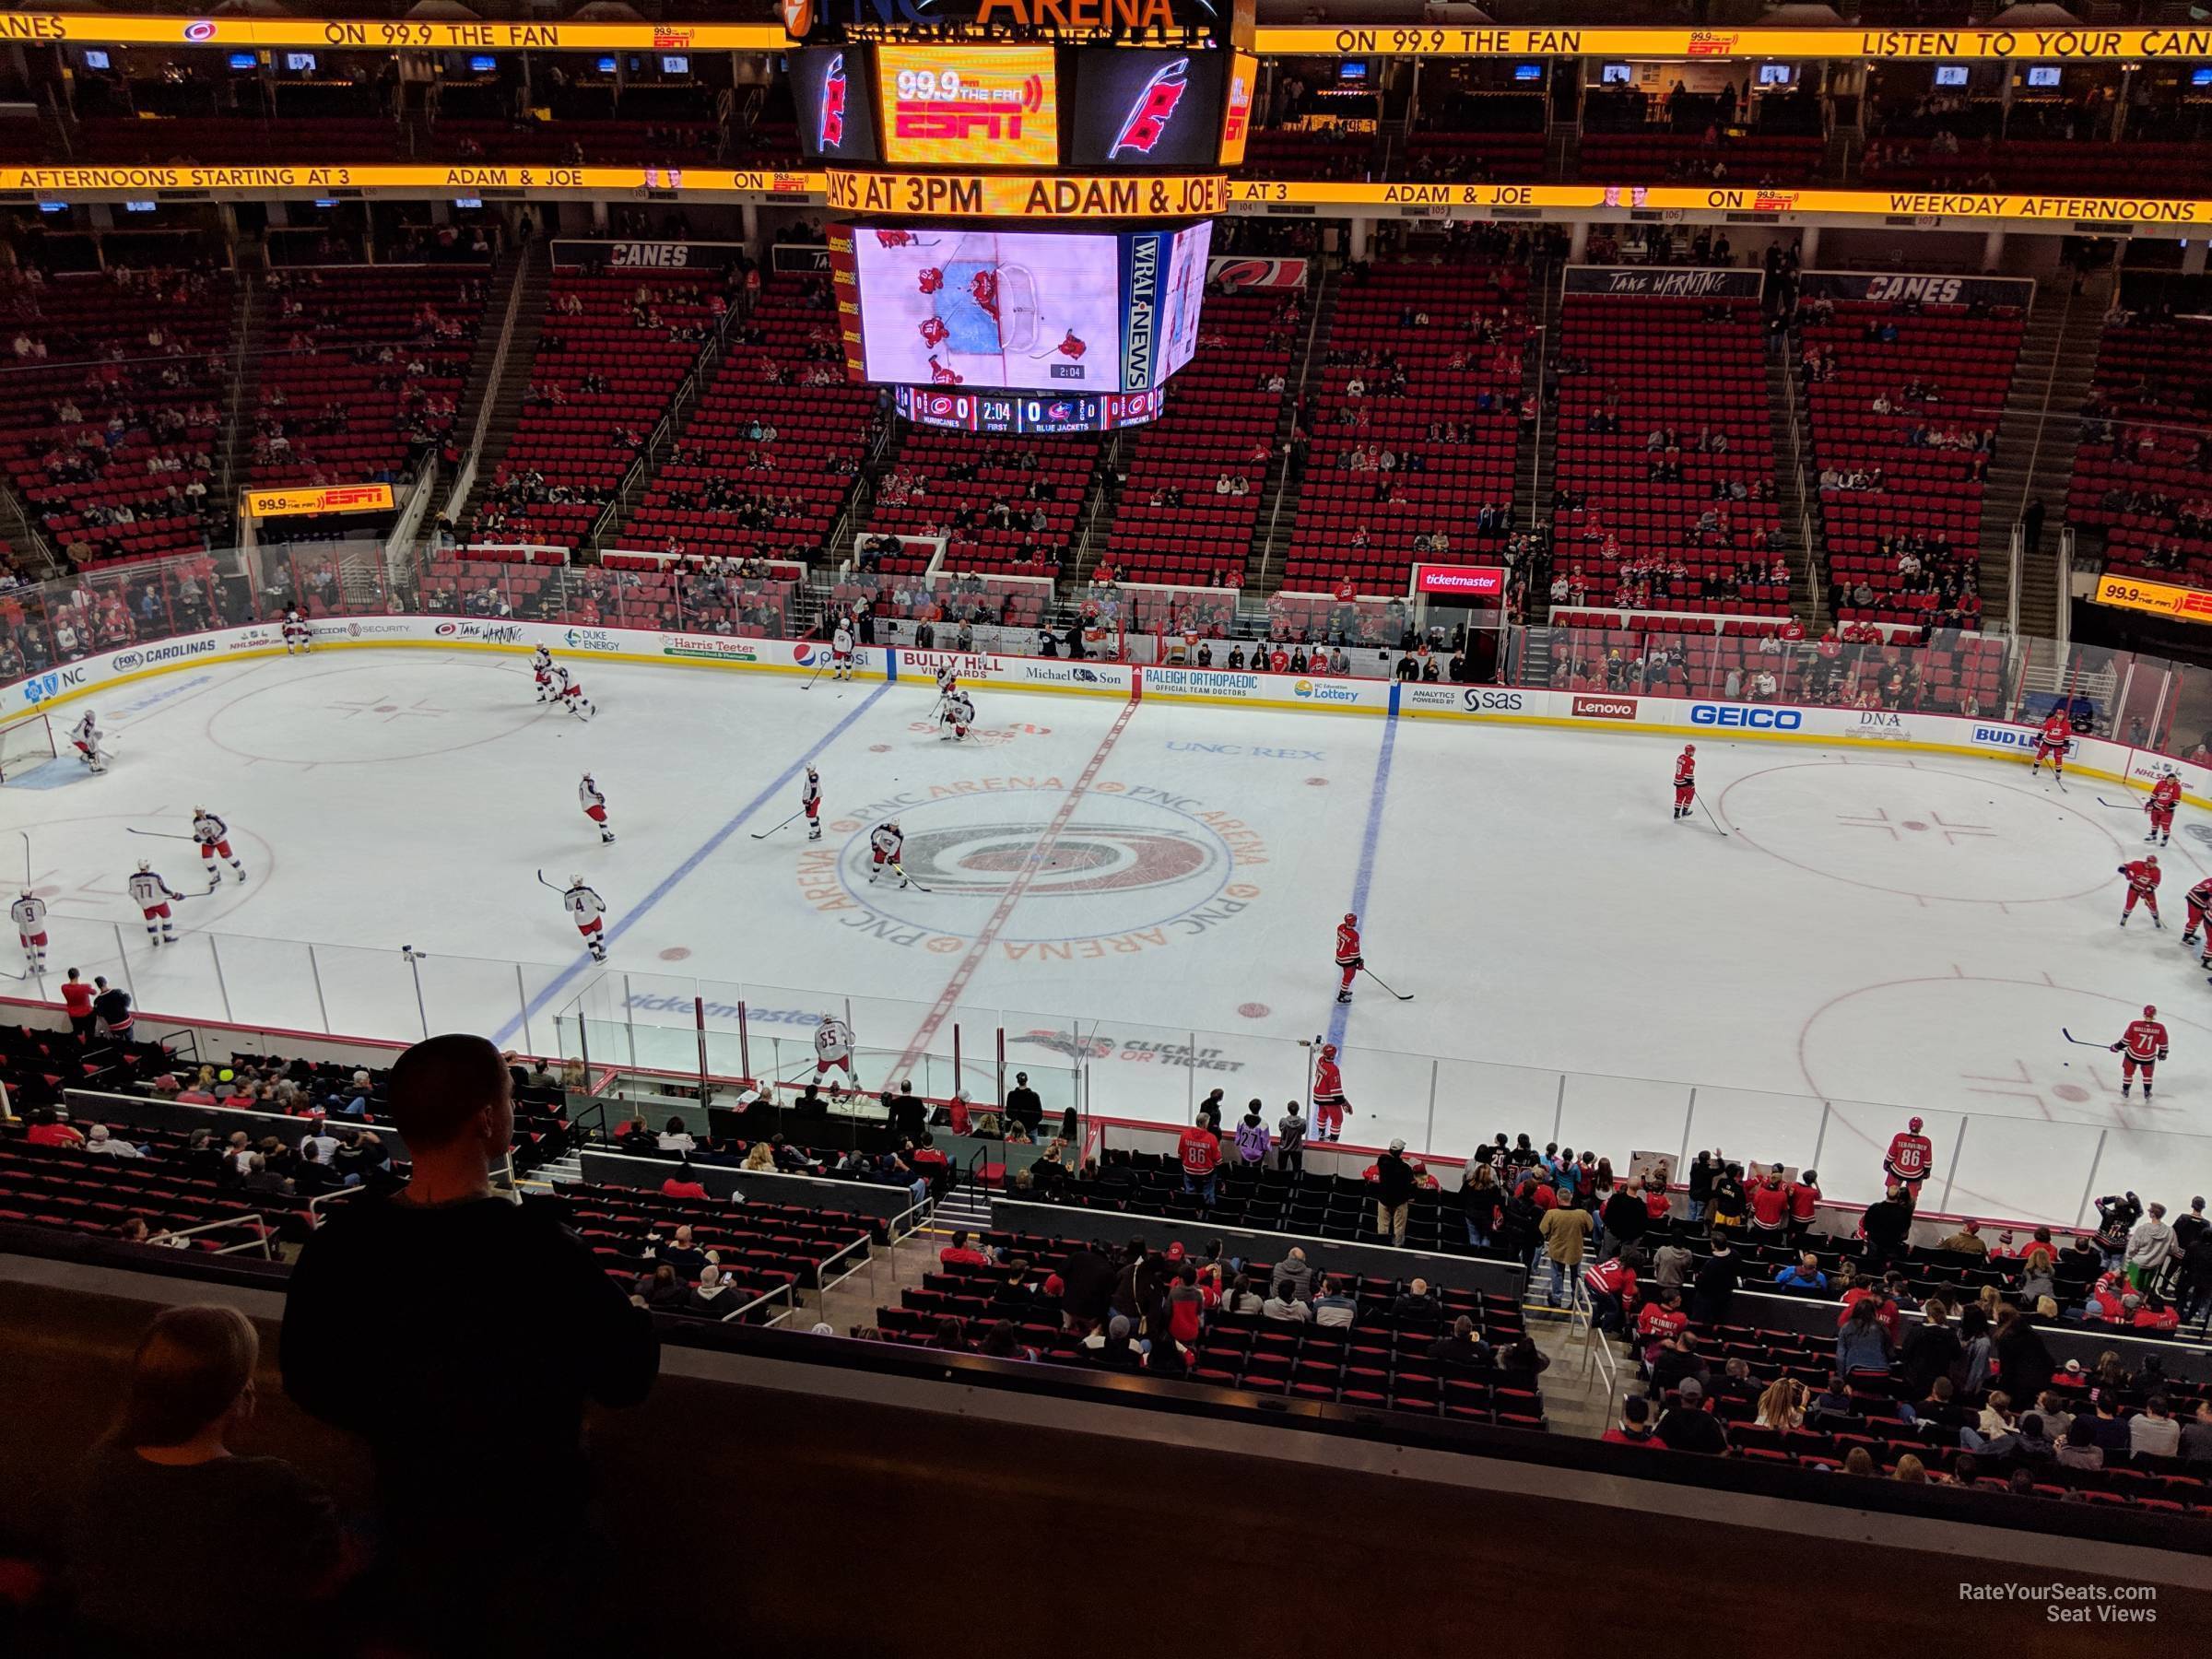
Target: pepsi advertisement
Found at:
836, 115
1142, 108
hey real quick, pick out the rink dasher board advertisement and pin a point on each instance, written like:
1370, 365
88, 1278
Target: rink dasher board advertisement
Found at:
1986, 738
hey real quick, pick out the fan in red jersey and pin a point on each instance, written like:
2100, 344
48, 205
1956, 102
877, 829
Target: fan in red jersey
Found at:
1348, 960
2142, 884
1911, 1156
2140, 1047
1686, 780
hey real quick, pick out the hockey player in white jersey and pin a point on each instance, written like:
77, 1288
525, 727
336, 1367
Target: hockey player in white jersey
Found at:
89, 742
810, 803
955, 715
592, 799
28, 915
214, 837
541, 671
299, 638
588, 912
885, 843
833, 1048
840, 650
569, 695
154, 896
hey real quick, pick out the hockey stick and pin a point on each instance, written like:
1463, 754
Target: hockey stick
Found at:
764, 834
2078, 1042
1401, 995
157, 834
26, 835
2120, 806
1716, 822
541, 875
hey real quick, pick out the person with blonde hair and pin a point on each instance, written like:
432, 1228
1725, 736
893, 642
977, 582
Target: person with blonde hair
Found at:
1911, 1471
1781, 1406
163, 1506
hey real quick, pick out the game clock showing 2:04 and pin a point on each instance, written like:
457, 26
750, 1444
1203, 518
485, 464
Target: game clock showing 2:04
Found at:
975, 106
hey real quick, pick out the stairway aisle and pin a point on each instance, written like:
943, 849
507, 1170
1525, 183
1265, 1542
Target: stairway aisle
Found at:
536, 278
2035, 444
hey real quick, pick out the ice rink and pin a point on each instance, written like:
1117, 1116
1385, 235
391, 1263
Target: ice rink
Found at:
1151, 890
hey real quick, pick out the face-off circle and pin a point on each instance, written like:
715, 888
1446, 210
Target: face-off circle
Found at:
1922, 831
368, 711
2039, 1105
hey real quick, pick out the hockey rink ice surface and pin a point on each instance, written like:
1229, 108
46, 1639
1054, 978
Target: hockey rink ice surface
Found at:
1152, 890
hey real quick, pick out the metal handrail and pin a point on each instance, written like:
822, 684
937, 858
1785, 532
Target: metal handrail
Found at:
262, 1241
314, 1205
824, 1284
784, 1291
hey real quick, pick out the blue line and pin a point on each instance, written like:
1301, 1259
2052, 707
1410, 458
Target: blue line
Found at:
707, 851
1341, 1013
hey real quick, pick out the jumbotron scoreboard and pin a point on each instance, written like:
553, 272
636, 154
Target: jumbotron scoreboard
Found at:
1023, 212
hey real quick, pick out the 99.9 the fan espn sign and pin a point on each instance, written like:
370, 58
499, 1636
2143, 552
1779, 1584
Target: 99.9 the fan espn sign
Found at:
341, 498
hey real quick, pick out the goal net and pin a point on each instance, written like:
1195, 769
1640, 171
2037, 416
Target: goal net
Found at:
24, 742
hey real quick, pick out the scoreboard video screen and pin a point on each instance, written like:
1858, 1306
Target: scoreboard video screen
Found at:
1062, 312
969, 106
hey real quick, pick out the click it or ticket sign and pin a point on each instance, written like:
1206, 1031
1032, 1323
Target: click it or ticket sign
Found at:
1460, 582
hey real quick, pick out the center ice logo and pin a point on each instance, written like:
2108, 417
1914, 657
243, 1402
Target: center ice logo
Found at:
1137, 869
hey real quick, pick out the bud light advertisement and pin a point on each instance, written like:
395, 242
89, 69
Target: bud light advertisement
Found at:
1146, 108
836, 115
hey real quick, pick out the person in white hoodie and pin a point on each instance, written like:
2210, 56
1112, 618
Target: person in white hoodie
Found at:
2150, 1248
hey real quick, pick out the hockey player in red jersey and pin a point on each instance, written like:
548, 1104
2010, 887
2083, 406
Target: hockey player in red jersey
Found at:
2052, 743
1329, 1105
1348, 960
2165, 796
2142, 884
1686, 780
2199, 901
1911, 1156
2140, 1047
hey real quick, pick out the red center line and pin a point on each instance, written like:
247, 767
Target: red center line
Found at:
948, 997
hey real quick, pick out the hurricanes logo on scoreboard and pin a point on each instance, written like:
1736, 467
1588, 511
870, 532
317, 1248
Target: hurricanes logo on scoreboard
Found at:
1148, 116
832, 133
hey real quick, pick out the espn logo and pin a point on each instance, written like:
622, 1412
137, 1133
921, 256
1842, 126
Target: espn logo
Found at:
1704, 43
980, 114
1604, 707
